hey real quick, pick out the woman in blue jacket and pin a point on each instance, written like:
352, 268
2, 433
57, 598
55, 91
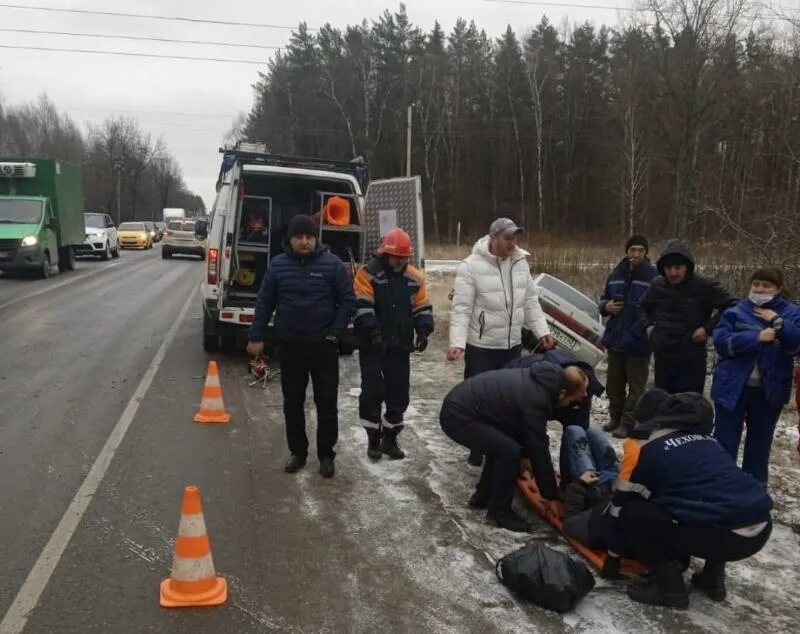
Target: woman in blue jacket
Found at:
755, 341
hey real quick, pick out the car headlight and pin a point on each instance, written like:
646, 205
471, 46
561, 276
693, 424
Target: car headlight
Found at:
29, 241
95, 235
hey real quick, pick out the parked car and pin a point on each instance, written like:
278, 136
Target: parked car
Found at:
180, 239
134, 235
574, 319
101, 237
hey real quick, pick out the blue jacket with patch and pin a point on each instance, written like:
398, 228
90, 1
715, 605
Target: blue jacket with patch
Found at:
624, 332
692, 477
739, 350
312, 297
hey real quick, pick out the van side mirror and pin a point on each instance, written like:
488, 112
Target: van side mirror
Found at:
201, 229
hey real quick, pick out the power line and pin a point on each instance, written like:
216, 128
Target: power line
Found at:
143, 16
124, 54
106, 36
560, 4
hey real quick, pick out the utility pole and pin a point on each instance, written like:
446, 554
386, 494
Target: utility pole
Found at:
408, 141
118, 172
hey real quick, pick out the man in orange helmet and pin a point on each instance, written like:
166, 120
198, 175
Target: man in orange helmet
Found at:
392, 305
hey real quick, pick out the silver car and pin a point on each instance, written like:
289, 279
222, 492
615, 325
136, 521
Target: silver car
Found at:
574, 319
180, 238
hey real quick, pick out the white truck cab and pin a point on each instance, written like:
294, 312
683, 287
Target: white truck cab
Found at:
258, 193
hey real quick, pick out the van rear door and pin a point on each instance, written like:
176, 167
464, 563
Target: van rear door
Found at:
392, 203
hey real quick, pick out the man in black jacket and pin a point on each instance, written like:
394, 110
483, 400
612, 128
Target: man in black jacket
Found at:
503, 414
678, 313
311, 294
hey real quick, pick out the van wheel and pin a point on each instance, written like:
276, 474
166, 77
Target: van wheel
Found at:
66, 259
44, 272
211, 343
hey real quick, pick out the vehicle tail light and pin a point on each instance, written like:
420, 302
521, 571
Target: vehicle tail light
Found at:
246, 319
167, 233
213, 266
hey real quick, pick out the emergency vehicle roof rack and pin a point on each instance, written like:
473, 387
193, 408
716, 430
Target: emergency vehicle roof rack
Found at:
356, 167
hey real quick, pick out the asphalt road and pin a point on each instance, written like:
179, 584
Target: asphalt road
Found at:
299, 553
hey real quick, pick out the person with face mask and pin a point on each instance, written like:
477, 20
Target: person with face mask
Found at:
679, 312
392, 305
756, 341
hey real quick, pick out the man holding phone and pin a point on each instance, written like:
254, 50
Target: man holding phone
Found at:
625, 339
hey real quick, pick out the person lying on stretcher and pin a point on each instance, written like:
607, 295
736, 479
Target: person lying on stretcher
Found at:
593, 473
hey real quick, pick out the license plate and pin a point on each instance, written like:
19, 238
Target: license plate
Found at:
564, 339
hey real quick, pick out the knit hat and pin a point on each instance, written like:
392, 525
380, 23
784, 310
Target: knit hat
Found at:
639, 241
301, 225
648, 404
686, 411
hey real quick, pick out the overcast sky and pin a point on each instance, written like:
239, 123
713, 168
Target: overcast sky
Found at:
191, 104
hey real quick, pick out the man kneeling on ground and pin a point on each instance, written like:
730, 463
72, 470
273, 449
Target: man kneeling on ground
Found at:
687, 497
503, 414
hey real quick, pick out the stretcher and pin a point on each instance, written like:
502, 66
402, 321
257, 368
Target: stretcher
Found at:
596, 557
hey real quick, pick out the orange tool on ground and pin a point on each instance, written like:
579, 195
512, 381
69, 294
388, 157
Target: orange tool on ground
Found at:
596, 557
212, 408
193, 581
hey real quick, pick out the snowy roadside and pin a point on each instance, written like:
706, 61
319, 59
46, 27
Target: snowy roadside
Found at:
447, 550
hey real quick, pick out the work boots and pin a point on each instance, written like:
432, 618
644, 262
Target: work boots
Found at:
374, 452
711, 580
389, 444
665, 587
611, 425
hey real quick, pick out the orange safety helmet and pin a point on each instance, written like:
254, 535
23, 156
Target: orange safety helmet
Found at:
397, 243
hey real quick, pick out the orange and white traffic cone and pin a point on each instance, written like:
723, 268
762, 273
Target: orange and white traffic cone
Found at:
212, 409
193, 581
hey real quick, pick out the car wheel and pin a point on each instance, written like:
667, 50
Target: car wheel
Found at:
203, 254
115, 251
44, 272
106, 253
165, 255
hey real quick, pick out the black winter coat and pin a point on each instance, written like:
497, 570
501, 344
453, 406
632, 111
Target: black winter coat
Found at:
312, 297
676, 310
517, 402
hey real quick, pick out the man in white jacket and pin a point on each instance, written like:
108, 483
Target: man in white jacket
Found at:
494, 298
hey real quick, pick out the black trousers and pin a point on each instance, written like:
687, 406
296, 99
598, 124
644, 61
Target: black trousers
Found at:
500, 468
680, 375
320, 361
478, 360
657, 538
385, 378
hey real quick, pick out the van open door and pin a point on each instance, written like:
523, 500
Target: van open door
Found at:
392, 203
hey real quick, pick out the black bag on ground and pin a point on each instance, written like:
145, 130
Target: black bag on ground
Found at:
549, 578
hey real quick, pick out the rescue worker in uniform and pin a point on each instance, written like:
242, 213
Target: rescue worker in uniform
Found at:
392, 305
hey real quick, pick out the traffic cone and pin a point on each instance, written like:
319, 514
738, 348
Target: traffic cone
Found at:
193, 581
212, 409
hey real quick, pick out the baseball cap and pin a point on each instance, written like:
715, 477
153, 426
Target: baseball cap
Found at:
505, 227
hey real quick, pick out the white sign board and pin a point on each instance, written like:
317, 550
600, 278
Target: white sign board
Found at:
387, 220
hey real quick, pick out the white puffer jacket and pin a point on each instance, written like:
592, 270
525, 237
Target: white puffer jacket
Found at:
493, 300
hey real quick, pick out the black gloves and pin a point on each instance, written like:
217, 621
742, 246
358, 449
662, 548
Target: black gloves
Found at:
421, 343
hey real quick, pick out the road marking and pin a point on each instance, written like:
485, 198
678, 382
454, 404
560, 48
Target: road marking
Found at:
71, 280
31, 591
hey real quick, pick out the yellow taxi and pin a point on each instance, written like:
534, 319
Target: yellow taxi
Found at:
134, 235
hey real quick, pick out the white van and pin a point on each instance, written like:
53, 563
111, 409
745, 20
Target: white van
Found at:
257, 194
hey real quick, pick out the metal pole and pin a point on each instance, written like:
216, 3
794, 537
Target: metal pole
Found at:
119, 199
458, 234
408, 142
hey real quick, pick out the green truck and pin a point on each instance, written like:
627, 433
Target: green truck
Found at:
41, 214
